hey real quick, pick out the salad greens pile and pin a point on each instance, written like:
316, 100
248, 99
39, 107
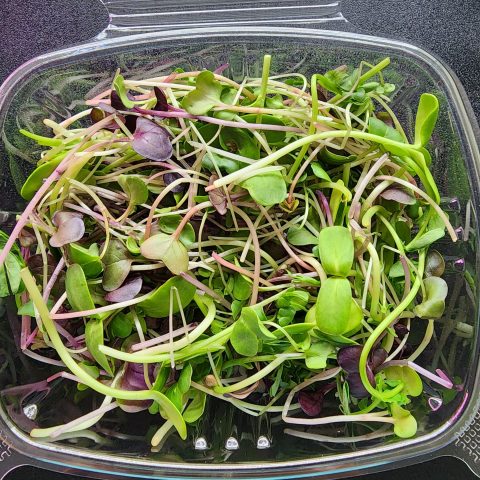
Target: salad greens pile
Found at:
266, 243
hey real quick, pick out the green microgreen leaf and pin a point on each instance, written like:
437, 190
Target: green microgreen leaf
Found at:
121, 89
252, 317
116, 265
196, 407
168, 249
169, 224
433, 303
88, 259
299, 236
78, 294
412, 382
93, 339
319, 172
426, 239
405, 425
377, 127
266, 188
243, 339
333, 306
135, 189
158, 303
335, 247
426, 118
205, 96
10, 281
317, 355
237, 140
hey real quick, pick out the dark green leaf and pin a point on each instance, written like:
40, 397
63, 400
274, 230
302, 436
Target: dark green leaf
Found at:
253, 320
242, 288
273, 137
185, 378
36, 178
158, 304
116, 264
237, 140
332, 158
223, 163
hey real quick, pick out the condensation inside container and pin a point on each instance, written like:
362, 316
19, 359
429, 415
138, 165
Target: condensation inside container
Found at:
226, 434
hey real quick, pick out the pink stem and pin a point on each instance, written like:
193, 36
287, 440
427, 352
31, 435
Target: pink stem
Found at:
236, 268
43, 359
31, 337
53, 278
66, 375
107, 308
188, 216
98, 412
325, 207
221, 68
216, 121
55, 175
206, 289
444, 382
26, 325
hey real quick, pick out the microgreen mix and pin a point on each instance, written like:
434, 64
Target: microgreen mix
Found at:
266, 243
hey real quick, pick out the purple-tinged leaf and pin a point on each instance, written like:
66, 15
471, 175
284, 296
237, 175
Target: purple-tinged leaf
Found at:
401, 330
355, 383
131, 122
377, 358
311, 402
398, 195
151, 141
67, 232
169, 178
61, 216
217, 197
133, 379
162, 103
116, 102
349, 357
126, 292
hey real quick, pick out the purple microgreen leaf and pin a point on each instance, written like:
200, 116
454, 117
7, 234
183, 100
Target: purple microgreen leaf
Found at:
399, 195
356, 385
349, 357
68, 231
126, 292
169, 178
162, 103
151, 140
311, 402
377, 358
60, 217
131, 122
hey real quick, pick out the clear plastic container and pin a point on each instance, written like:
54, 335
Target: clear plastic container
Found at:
146, 36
